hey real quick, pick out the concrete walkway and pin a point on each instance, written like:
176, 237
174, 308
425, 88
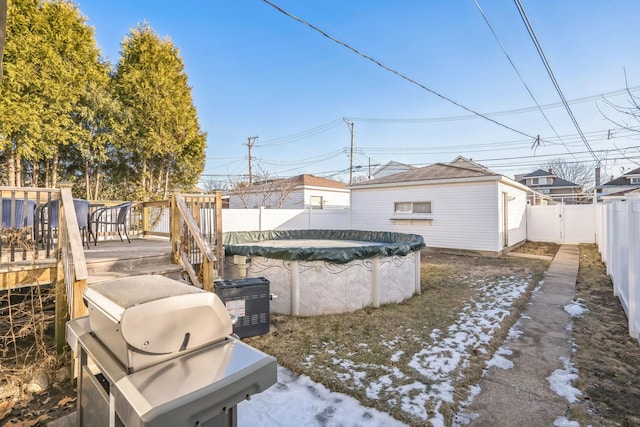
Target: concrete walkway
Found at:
522, 396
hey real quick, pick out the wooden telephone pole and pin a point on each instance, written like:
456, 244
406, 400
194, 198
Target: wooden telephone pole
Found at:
350, 125
249, 144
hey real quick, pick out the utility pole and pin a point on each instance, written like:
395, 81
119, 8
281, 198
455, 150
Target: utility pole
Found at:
350, 126
249, 144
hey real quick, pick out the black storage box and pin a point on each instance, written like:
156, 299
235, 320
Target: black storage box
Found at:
248, 300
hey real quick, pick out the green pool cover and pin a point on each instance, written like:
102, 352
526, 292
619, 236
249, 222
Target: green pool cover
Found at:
365, 244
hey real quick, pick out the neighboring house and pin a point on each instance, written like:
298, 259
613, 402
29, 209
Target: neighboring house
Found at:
391, 168
545, 182
298, 192
626, 183
460, 205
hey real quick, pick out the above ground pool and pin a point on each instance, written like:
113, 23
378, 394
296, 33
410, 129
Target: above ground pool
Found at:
313, 272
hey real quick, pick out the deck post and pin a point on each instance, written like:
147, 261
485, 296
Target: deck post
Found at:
174, 229
219, 249
61, 310
145, 219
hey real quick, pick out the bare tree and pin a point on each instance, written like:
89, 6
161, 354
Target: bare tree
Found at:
625, 117
577, 172
210, 185
267, 191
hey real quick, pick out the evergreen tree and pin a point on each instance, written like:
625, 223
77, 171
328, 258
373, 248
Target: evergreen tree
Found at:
20, 103
163, 145
73, 69
50, 59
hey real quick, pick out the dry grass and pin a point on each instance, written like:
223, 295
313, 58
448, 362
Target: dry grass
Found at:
607, 358
329, 349
538, 248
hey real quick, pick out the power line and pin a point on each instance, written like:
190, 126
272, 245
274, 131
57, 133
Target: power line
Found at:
513, 65
300, 135
532, 34
391, 70
546, 155
503, 146
310, 160
573, 139
513, 163
495, 113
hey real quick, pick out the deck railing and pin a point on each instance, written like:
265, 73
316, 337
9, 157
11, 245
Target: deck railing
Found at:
41, 245
146, 219
25, 229
42, 242
71, 283
196, 236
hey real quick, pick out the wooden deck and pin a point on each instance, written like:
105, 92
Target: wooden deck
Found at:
115, 249
114, 259
66, 262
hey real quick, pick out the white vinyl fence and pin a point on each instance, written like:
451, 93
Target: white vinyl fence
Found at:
562, 223
284, 219
620, 249
265, 219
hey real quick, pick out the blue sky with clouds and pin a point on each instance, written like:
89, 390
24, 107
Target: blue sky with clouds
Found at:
256, 72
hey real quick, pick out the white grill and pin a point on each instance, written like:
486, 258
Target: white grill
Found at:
157, 352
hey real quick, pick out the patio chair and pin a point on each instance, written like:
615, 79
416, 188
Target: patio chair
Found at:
82, 213
20, 218
48, 218
110, 216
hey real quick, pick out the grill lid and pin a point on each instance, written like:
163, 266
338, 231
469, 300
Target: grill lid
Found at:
156, 315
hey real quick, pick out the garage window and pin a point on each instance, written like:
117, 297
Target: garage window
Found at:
412, 207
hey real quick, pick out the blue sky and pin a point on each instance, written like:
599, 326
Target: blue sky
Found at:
256, 72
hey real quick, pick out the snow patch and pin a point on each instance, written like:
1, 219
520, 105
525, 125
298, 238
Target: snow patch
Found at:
563, 422
499, 361
560, 381
575, 309
396, 356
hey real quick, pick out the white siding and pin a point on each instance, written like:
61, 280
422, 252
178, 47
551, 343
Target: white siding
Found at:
517, 215
295, 200
333, 198
299, 198
465, 215
610, 189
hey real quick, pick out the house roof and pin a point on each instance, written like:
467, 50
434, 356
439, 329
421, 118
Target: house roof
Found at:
622, 180
557, 181
393, 163
315, 181
467, 163
302, 180
538, 173
436, 171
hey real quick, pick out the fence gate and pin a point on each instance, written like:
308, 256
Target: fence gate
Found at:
561, 223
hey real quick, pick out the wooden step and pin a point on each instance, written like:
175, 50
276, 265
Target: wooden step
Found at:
172, 271
128, 262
